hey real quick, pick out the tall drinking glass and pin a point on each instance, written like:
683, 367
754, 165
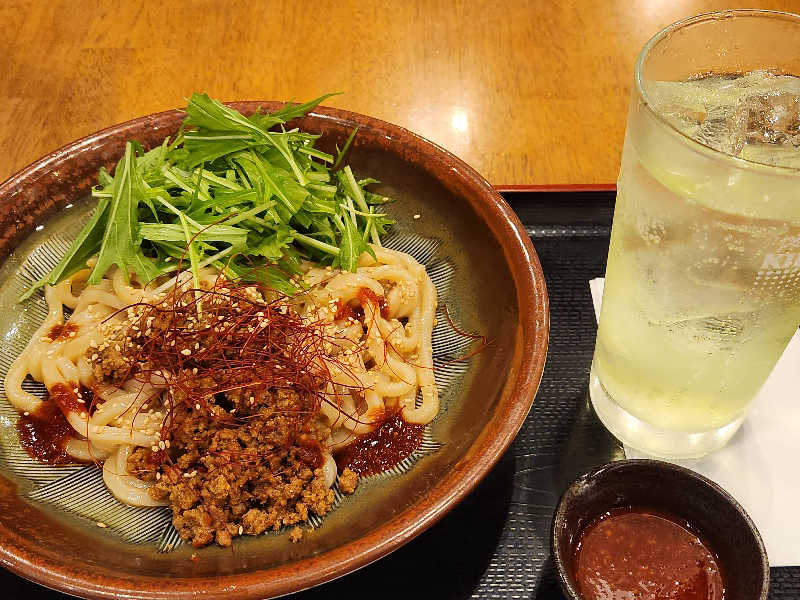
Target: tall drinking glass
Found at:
702, 290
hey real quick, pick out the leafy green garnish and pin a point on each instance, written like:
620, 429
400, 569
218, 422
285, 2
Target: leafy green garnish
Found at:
340, 154
243, 194
121, 242
82, 249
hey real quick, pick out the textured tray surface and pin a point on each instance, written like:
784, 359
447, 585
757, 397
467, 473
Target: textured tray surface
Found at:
495, 544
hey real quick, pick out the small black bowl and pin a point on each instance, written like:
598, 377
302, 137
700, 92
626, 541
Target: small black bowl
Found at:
664, 487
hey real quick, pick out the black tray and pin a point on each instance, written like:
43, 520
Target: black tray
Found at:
495, 544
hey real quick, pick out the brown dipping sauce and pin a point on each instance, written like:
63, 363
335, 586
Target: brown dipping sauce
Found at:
45, 433
638, 554
382, 448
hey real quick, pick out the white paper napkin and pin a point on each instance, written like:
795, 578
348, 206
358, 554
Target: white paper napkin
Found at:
760, 466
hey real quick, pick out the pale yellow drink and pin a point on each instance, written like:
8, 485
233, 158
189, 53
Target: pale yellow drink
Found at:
702, 289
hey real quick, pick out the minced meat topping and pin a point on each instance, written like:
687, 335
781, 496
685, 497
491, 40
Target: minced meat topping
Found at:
244, 475
240, 450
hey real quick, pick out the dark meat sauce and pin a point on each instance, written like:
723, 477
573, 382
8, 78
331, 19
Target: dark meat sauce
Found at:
355, 308
45, 433
382, 448
60, 332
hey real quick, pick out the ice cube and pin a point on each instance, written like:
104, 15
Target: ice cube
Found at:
755, 116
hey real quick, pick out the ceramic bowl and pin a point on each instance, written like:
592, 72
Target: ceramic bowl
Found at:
488, 276
674, 490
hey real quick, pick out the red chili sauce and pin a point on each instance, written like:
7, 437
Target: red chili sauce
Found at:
62, 332
637, 554
355, 309
45, 433
382, 448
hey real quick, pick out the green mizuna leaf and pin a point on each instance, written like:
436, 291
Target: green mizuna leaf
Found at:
206, 151
173, 232
272, 247
340, 154
121, 243
241, 193
206, 113
293, 111
351, 246
82, 249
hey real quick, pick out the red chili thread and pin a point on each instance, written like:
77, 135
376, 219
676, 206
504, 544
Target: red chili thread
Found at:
237, 353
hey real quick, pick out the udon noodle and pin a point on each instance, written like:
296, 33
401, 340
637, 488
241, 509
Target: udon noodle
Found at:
378, 323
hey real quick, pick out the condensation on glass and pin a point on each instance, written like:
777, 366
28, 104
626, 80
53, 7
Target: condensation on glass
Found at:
702, 290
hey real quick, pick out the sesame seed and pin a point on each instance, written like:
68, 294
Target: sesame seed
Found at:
101, 524
158, 475
416, 216
241, 530
186, 352
26, 414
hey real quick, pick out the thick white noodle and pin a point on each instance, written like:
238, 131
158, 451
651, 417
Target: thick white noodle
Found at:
399, 353
373, 368
115, 424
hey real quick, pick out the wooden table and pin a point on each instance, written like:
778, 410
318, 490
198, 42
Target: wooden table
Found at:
526, 92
